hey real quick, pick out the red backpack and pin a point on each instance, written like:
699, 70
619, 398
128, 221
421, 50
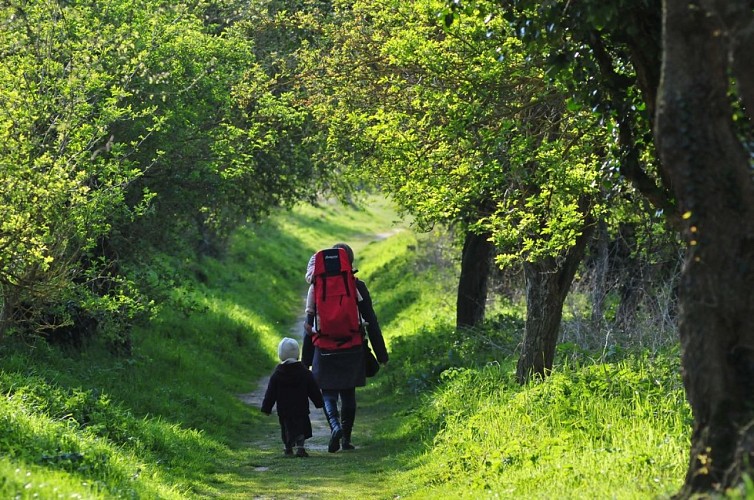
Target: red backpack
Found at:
338, 323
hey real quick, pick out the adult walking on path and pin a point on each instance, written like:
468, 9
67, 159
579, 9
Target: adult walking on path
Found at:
339, 372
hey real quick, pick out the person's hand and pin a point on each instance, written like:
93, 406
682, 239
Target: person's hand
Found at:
308, 328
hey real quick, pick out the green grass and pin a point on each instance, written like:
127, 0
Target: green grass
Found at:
443, 419
597, 431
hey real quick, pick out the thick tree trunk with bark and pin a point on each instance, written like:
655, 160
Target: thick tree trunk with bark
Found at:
547, 285
476, 261
711, 177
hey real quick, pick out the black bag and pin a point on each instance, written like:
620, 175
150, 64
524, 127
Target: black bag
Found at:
370, 362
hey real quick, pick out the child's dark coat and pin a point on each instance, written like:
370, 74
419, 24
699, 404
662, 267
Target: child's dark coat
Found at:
291, 387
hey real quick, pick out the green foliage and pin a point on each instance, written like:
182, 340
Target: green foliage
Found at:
467, 129
63, 85
227, 146
130, 126
398, 80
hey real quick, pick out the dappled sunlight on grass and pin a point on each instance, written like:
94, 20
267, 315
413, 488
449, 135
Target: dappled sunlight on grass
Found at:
249, 322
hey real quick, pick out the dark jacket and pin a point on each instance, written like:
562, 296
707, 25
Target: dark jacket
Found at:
344, 369
291, 387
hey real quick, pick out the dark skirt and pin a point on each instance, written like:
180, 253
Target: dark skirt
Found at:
337, 370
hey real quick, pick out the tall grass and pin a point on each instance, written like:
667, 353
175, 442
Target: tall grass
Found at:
595, 431
602, 426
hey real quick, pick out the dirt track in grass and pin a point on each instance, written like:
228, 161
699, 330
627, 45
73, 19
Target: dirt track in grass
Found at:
370, 471
264, 473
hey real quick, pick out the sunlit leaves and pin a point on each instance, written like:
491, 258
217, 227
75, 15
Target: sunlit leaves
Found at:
447, 119
63, 86
122, 109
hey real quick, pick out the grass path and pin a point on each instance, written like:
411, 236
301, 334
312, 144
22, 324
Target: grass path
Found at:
263, 472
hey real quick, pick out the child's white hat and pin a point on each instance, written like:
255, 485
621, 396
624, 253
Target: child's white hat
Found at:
288, 349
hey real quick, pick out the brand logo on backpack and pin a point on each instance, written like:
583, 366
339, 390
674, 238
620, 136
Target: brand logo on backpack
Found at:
337, 320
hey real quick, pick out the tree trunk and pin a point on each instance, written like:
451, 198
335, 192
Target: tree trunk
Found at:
5, 308
547, 285
476, 261
631, 277
711, 176
601, 268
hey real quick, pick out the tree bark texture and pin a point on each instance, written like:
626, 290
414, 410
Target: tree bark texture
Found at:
711, 176
547, 284
476, 261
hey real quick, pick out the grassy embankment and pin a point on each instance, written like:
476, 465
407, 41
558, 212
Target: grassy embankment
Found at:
444, 419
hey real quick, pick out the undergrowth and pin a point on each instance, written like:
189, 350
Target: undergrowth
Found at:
608, 430
603, 425
590, 430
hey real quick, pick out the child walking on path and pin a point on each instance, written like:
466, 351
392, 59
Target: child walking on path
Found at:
291, 387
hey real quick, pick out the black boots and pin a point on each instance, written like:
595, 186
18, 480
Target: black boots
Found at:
340, 429
331, 412
348, 416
